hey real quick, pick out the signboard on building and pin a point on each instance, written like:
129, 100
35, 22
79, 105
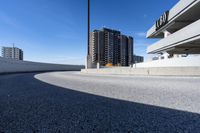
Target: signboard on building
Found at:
163, 20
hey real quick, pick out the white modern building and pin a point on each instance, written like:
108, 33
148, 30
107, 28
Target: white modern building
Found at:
12, 53
178, 30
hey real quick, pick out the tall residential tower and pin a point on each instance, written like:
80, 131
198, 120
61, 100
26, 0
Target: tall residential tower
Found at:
109, 48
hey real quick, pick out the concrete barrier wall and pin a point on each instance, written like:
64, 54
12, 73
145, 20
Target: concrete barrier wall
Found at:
189, 66
192, 61
10, 66
167, 71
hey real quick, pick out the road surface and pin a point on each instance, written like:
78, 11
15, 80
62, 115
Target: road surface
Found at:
70, 102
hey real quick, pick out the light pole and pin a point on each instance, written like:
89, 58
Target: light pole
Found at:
88, 26
89, 60
88, 39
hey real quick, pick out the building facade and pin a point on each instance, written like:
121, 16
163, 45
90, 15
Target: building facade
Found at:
12, 53
124, 50
109, 48
130, 50
138, 59
178, 30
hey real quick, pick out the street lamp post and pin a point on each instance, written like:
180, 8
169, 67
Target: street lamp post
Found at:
88, 39
88, 26
89, 62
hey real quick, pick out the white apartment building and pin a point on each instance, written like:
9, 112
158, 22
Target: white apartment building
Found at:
12, 53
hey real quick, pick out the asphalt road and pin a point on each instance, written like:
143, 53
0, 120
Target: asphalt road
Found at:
70, 102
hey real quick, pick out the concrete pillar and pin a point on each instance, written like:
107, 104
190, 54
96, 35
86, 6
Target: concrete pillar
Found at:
98, 65
166, 33
166, 55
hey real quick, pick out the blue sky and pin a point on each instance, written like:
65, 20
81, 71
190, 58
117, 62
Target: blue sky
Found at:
55, 31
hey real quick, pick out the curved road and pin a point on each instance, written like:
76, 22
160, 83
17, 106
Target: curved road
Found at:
70, 102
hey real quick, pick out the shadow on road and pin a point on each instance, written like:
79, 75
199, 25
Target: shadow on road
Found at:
29, 105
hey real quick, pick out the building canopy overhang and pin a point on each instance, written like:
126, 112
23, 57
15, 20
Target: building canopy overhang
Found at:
184, 41
182, 14
182, 23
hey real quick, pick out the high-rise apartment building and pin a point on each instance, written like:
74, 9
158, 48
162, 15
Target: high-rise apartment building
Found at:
130, 50
123, 50
109, 47
12, 53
